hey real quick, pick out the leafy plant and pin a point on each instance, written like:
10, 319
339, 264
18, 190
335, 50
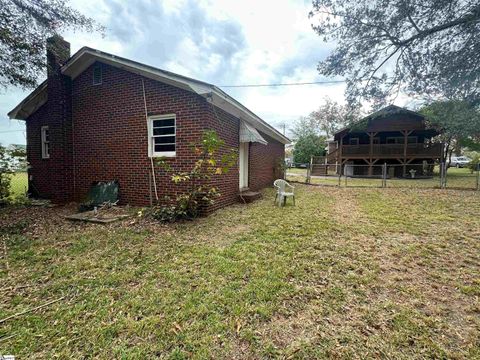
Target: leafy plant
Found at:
199, 192
474, 163
5, 175
280, 168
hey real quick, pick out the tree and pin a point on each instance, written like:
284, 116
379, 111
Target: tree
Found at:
332, 116
308, 142
5, 175
458, 121
427, 47
307, 146
24, 27
18, 155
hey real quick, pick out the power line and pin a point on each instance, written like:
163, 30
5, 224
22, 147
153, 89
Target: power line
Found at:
285, 84
9, 131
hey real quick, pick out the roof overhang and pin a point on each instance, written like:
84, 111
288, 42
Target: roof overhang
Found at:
30, 104
85, 57
218, 98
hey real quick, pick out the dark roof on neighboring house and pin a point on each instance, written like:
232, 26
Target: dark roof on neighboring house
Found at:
86, 56
387, 113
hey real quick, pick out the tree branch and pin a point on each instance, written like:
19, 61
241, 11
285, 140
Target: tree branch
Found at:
474, 16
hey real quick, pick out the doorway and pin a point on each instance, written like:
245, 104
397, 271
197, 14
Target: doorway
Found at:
243, 165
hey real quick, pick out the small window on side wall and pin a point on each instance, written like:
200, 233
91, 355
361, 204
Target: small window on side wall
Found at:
45, 139
162, 135
97, 74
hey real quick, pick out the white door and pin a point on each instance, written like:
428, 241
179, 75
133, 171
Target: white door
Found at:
243, 165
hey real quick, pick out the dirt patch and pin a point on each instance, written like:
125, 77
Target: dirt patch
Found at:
345, 210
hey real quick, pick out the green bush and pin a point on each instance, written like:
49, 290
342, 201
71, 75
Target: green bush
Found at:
196, 180
474, 163
5, 176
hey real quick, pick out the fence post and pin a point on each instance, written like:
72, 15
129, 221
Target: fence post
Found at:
478, 180
384, 175
309, 170
443, 175
339, 175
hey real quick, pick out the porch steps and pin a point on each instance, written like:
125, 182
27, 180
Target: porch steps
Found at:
247, 196
319, 170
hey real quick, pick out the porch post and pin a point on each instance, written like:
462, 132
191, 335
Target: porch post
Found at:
405, 142
340, 154
371, 135
405, 133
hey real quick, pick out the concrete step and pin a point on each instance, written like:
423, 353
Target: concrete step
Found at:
248, 196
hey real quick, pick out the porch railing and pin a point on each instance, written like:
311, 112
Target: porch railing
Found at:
379, 150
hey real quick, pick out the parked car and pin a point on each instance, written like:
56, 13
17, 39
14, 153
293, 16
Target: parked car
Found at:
460, 161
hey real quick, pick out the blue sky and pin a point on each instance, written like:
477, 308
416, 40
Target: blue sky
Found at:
221, 42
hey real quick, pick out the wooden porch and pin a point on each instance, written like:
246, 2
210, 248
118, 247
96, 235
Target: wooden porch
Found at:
392, 151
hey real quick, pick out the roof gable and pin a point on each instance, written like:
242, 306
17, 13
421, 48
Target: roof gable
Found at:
390, 118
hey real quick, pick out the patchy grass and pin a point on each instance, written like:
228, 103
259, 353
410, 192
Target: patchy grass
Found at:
19, 184
351, 273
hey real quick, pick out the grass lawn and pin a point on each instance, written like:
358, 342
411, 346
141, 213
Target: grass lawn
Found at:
347, 273
19, 184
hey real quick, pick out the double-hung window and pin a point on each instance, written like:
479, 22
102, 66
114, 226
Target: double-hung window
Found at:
45, 139
162, 135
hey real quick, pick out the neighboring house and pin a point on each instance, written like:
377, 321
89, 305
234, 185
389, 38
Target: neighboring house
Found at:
392, 135
100, 117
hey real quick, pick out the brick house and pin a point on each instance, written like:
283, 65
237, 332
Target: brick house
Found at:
100, 117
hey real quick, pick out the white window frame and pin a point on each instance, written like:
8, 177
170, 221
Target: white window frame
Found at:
357, 140
151, 142
44, 141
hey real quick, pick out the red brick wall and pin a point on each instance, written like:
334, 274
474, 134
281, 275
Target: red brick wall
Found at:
110, 132
51, 177
110, 140
227, 127
263, 162
39, 169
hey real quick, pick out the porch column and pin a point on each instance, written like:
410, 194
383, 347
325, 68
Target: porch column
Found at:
371, 135
405, 144
339, 156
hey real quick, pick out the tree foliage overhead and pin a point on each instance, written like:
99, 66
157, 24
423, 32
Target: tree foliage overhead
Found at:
332, 116
24, 27
427, 47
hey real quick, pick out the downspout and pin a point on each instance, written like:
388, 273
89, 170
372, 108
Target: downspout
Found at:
148, 135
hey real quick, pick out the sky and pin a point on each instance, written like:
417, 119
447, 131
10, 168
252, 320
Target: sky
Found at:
223, 42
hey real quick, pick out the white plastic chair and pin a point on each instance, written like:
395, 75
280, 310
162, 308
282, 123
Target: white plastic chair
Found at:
284, 190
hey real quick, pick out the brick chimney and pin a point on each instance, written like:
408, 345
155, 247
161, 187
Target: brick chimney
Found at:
60, 118
58, 52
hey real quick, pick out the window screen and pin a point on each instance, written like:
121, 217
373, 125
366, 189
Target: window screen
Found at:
162, 135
